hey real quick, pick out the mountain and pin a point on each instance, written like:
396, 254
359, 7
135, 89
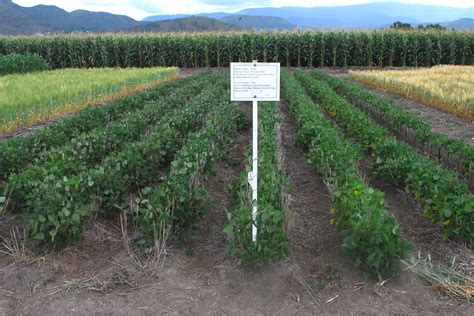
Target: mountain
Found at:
15, 19
188, 24
461, 24
370, 15
258, 22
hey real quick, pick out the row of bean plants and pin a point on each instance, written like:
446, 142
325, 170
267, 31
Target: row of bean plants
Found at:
372, 236
454, 153
298, 49
181, 199
273, 208
17, 153
88, 149
446, 200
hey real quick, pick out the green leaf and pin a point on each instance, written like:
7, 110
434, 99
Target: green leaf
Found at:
53, 232
229, 230
39, 236
76, 217
41, 219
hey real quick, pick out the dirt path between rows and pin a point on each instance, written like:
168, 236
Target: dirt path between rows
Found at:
441, 122
97, 276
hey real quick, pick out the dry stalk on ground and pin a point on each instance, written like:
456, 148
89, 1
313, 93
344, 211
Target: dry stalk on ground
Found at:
447, 280
152, 259
13, 245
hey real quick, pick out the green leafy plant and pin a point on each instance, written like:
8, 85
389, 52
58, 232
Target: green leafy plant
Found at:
272, 241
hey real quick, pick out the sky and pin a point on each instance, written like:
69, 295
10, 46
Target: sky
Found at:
139, 9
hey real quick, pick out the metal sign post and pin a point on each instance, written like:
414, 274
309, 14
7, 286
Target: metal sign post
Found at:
253, 175
255, 82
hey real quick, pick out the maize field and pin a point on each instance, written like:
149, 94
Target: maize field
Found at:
292, 49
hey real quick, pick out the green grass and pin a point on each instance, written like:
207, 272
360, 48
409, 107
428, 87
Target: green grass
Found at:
29, 99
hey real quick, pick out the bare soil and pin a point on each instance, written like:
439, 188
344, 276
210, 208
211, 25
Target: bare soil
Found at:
186, 72
96, 276
441, 122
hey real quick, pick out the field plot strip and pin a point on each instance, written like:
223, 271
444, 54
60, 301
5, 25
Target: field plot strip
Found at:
372, 237
446, 87
446, 199
273, 208
29, 99
453, 153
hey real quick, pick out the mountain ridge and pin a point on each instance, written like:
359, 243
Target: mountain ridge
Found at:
369, 15
15, 20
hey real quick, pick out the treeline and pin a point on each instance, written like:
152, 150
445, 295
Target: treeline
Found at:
407, 26
296, 49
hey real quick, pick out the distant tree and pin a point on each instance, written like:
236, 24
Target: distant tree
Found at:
434, 27
400, 26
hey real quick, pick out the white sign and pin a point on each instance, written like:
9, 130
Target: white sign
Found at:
255, 81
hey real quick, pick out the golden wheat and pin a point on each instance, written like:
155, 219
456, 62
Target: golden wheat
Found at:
448, 88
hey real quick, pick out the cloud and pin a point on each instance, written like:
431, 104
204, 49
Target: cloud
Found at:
231, 3
195, 6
